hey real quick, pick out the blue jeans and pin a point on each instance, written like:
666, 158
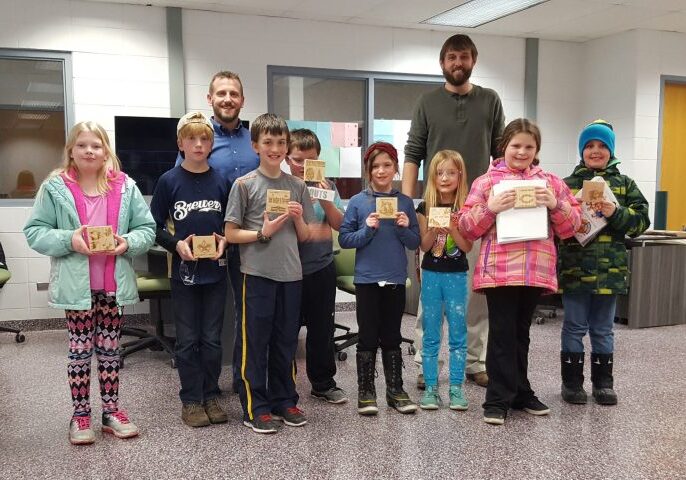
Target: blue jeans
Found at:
586, 312
441, 289
199, 317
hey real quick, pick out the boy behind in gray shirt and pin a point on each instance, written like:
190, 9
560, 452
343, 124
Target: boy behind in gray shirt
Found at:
319, 275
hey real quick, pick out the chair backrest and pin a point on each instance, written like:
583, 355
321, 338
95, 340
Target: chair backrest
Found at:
344, 260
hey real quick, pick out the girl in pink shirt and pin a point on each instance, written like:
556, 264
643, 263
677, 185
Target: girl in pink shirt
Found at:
514, 275
89, 190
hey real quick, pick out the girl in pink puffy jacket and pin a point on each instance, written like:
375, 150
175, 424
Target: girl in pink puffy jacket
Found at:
514, 275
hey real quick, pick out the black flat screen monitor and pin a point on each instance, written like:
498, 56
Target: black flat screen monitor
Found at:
146, 147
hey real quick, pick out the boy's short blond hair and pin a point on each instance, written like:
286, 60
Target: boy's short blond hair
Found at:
195, 129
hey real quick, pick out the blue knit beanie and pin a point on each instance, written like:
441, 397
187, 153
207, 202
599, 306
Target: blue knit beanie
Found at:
599, 130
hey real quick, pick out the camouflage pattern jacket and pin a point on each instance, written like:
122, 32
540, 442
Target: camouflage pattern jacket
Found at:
601, 267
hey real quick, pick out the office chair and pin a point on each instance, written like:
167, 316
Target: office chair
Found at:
344, 261
150, 287
5, 275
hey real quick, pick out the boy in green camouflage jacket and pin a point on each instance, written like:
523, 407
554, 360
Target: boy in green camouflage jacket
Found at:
591, 276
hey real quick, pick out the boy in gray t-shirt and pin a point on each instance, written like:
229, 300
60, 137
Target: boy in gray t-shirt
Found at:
272, 280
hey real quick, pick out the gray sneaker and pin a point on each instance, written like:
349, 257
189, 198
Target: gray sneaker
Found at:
118, 424
262, 424
80, 432
333, 395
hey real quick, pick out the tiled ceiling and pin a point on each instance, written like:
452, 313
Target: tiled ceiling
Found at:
571, 20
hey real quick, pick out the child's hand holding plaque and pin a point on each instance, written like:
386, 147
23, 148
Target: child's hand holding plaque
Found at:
277, 201
386, 207
100, 239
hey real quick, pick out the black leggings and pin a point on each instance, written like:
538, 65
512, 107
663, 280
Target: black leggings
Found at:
379, 312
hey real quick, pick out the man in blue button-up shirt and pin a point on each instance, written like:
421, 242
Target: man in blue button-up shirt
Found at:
232, 155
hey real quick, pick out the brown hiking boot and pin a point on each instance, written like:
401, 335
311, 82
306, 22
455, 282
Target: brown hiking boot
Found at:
480, 378
214, 412
193, 415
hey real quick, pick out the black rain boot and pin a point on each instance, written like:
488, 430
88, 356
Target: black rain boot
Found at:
601, 377
366, 391
396, 397
572, 367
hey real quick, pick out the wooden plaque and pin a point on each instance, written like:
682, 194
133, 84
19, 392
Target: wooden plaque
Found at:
314, 170
439, 217
593, 192
100, 239
204, 246
386, 207
277, 201
525, 197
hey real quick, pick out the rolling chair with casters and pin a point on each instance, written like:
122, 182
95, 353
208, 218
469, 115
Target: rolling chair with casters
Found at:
150, 287
344, 261
19, 337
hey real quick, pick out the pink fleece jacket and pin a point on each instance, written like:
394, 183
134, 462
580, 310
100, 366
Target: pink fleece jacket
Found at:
115, 180
530, 263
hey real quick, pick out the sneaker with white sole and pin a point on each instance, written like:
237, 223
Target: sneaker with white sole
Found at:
457, 400
118, 424
333, 395
291, 416
262, 424
80, 432
494, 416
430, 400
533, 406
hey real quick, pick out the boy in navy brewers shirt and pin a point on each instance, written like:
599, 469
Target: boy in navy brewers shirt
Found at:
190, 199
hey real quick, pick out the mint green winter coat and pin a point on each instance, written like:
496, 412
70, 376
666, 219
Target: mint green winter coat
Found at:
49, 230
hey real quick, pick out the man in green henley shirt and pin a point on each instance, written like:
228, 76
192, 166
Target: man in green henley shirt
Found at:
467, 118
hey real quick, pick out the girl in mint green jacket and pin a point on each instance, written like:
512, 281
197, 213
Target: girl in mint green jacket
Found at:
92, 287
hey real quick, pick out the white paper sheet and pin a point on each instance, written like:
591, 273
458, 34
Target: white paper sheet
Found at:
351, 162
517, 225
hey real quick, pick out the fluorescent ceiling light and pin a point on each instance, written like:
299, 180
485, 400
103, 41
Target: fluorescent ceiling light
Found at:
53, 65
478, 12
41, 105
34, 116
44, 87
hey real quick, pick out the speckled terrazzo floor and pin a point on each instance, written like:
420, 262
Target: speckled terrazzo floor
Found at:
644, 437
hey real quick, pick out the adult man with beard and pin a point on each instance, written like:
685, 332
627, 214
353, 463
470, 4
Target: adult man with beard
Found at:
232, 156
467, 118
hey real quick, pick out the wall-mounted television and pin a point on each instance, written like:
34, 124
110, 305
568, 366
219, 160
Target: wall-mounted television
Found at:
146, 147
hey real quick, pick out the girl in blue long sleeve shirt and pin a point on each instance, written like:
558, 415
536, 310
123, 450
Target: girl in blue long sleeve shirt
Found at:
380, 275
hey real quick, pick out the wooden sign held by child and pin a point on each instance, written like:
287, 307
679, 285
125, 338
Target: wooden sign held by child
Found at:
593, 192
386, 207
525, 197
204, 246
314, 170
100, 239
439, 217
277, 201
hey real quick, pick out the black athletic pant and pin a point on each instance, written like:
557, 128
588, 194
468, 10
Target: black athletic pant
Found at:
509, 318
